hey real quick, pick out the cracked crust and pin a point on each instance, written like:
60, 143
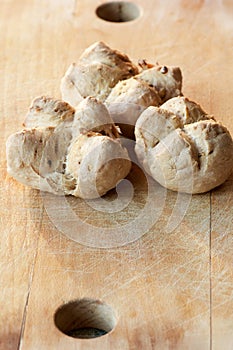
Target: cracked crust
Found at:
153, 125
167, 81
97, 71
47, 157
46, 111
188, 111
98, 163
92, 114
126, 102
129, 98
184, 149
31, 159
127, 90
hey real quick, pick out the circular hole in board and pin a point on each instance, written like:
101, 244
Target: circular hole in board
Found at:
85, 318
118, 11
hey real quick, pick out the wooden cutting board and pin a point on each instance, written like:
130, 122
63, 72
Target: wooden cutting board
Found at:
172, 287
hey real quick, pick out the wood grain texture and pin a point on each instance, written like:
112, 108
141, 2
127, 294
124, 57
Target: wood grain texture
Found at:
170, 290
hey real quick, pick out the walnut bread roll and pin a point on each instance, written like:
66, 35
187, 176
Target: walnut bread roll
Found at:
183, 148
73, 146
126, 88
67, 151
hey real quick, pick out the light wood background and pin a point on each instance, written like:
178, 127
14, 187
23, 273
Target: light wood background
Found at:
169, 290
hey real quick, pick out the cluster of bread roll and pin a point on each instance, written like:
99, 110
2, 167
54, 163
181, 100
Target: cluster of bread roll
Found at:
74, 145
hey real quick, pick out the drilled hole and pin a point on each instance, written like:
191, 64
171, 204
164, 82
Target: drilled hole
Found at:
85, 318
118, 11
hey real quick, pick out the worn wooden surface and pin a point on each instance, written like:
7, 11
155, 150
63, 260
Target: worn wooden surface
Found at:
170, 290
